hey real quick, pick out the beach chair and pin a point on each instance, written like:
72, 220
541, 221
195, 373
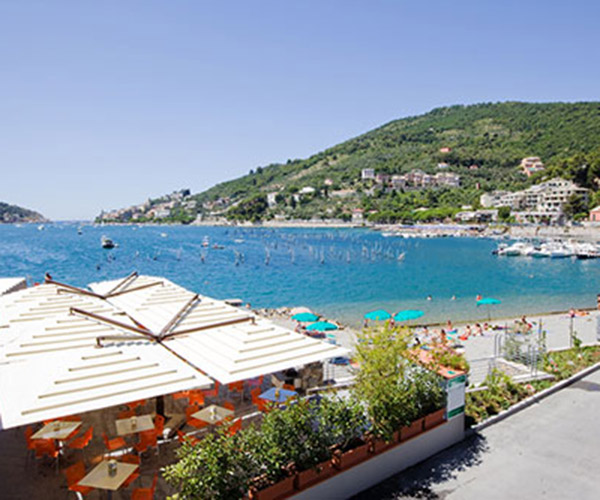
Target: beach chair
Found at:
235, 426
196, 398
159, 426
145, 493
75, 473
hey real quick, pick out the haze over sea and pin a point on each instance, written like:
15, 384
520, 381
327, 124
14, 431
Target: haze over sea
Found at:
340, 273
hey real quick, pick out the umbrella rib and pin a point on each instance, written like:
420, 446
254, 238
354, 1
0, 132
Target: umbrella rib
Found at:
179, 316
121, 283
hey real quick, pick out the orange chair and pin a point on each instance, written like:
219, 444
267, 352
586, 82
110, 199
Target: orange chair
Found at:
134, 404
45, 447
214, 392
255, 393
229, 405
159, 425
236, 386
82, 441
74, 474
147, 440
235, 426
196, 398
113, 444
125, 414
71, 418
187, 438
181, 395
131, 459
191, 421
289, 387
145, 493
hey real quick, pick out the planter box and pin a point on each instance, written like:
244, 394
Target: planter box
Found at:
435, 418
282, 489
412, 430
315, 474
379, 445
351, 457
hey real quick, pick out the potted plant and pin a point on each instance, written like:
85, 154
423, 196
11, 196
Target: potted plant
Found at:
430, 397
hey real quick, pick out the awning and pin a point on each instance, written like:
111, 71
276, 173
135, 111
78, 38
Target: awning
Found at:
226, 343
50, 365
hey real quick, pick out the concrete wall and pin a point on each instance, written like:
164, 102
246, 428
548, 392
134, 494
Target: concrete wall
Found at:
380, 467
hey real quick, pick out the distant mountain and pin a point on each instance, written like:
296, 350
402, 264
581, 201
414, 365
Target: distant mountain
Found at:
482, 144
13, 213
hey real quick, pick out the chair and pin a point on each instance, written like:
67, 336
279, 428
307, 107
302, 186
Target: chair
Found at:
74, 474
229, 405
214, 392
236, 386
255, 393
196, 398
126, 414
289, 387
256, 382
82, 441
194, 422
113, 444
47, 447
182, 437
147, 440
235, 426
145, 493
131, 459
134, 404
181, 395
159, 426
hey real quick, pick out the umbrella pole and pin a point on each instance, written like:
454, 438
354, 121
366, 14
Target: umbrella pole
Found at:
160, 406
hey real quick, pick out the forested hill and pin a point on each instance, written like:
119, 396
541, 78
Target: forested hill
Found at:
13, 213
494, 137
483, 144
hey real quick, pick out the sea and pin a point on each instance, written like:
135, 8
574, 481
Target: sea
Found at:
339, 273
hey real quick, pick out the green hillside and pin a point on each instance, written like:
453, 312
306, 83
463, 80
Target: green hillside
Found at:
495, 137
13, 213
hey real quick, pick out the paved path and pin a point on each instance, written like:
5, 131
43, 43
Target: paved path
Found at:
549, 451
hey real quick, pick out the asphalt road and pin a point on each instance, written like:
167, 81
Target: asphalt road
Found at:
550, 450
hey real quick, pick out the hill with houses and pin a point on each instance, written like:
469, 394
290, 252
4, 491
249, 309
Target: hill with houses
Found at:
417, 168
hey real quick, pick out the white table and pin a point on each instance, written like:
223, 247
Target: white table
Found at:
58, 430
212, 414
125, 426
99, 477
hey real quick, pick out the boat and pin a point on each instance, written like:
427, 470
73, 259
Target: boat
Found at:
107, 242
41, 227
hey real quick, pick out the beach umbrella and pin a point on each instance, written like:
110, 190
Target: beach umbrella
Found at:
488, 301
305, 316
321, 326
379, 315
408, 314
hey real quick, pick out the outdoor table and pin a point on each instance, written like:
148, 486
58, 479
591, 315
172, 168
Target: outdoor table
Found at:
132, 425
58, 430
278, 395
212, 414
100, 478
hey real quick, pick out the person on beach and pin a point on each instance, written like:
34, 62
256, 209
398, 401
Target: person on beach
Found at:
429, 297
479, 297
443, 338
449, 325
453, 297
478, 330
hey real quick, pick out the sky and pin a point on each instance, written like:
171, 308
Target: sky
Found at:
104, 104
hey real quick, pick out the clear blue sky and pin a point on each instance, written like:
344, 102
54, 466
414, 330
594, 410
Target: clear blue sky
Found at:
105, 103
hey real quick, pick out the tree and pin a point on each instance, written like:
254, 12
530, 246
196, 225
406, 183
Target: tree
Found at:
575, 205
503, 214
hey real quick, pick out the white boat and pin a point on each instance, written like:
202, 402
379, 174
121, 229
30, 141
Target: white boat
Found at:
107, 243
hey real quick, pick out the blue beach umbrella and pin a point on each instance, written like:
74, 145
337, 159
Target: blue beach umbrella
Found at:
407, 315
379, 315
488, 301
305, 316
321, 326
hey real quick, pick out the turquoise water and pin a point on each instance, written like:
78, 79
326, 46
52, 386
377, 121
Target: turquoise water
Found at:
341, 273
